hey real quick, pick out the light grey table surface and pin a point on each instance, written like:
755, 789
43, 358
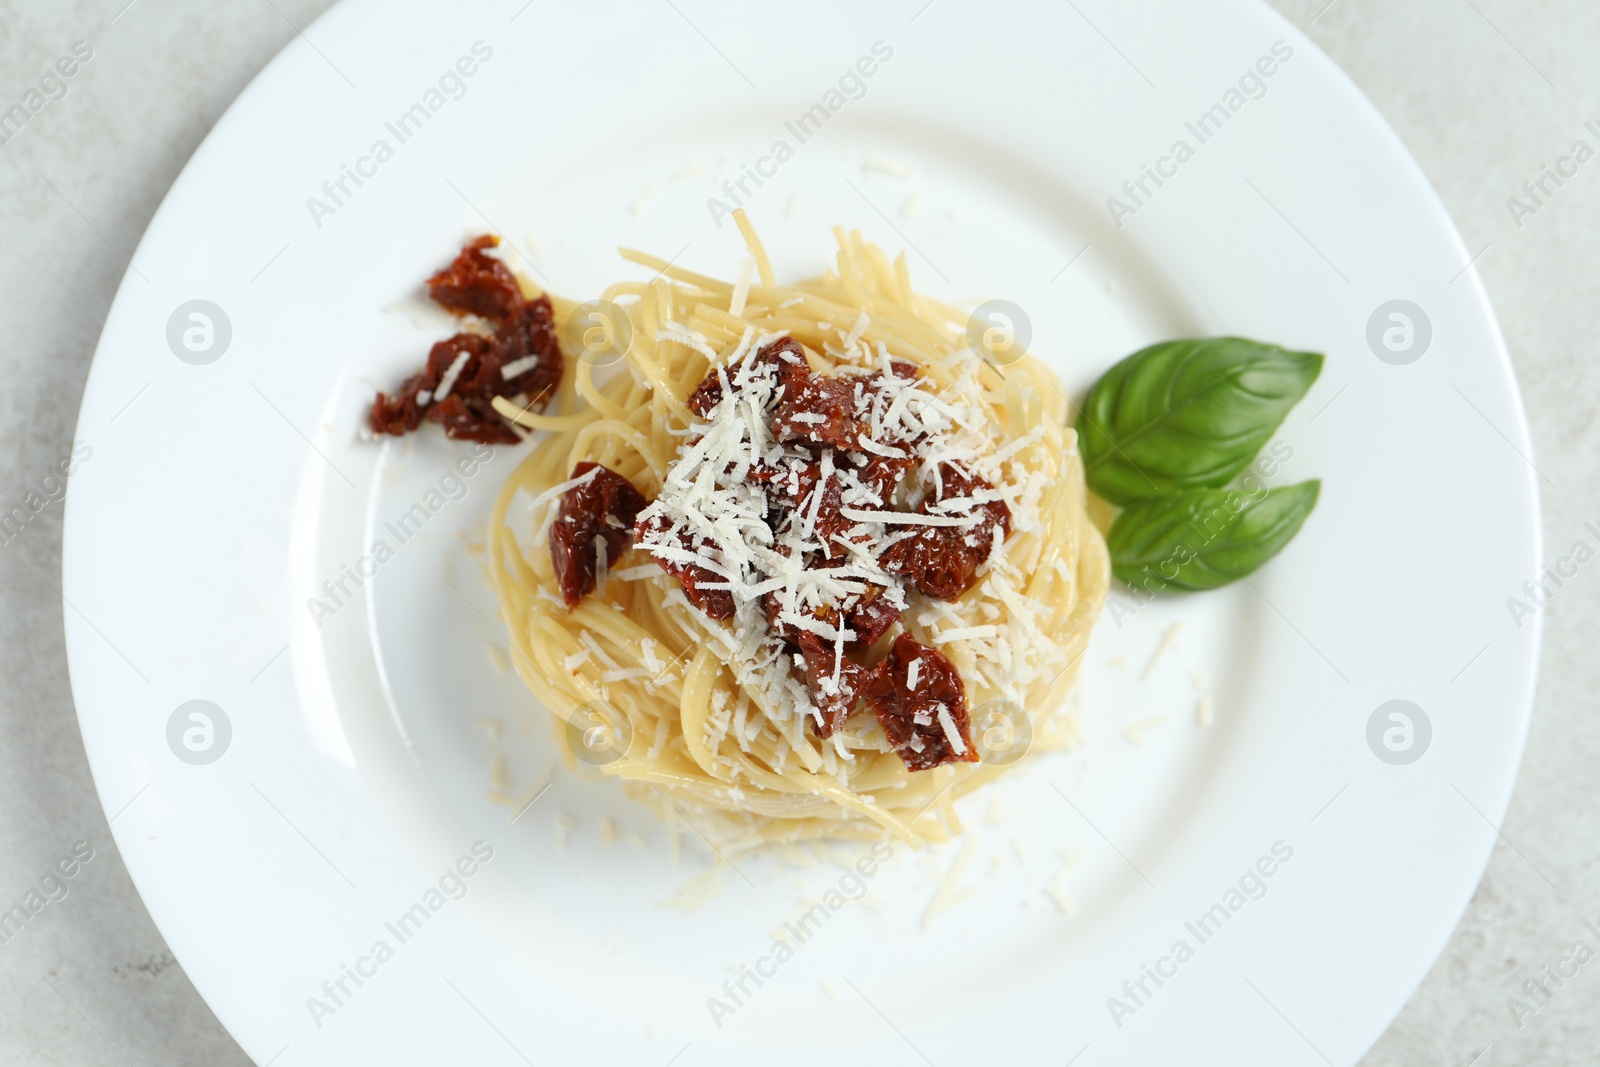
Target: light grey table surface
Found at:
1484, 92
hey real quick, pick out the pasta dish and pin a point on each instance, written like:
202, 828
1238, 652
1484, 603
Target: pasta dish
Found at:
792, 561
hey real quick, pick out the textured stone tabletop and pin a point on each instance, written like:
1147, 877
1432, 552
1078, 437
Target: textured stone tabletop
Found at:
1486, 93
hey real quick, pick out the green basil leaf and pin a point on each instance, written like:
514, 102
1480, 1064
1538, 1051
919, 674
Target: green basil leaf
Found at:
1190, 413
1204, 538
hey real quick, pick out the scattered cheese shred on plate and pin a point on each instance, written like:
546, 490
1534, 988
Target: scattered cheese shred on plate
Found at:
947, 895
1203, 714
1169, 641
888, 166
1056, 888
1138, 733
695, 893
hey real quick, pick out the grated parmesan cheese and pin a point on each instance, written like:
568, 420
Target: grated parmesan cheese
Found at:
907, 518
947, 896
1056, 888
951, 734
711, 514
1169, 640
518, 366
447, 381
965, 633
1137, 733
891, 167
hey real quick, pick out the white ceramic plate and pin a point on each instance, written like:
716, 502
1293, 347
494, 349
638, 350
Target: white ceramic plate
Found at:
353, 771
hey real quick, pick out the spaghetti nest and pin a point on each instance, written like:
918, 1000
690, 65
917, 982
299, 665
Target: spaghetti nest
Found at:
697, 728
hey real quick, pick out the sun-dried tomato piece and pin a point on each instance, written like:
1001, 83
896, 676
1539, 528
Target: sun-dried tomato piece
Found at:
470, 419
913, 715
872, 616
823, 409
832, 409
526, 343
443, 355
403, 413
478, 284
956, 484
791, 489
785, 353
932, 559
716, 603
868, 616
524, 340
789, 484
942, 561
399, 414
830, 526
465, 413
601, 511
835, 701
882, 474
772, 604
